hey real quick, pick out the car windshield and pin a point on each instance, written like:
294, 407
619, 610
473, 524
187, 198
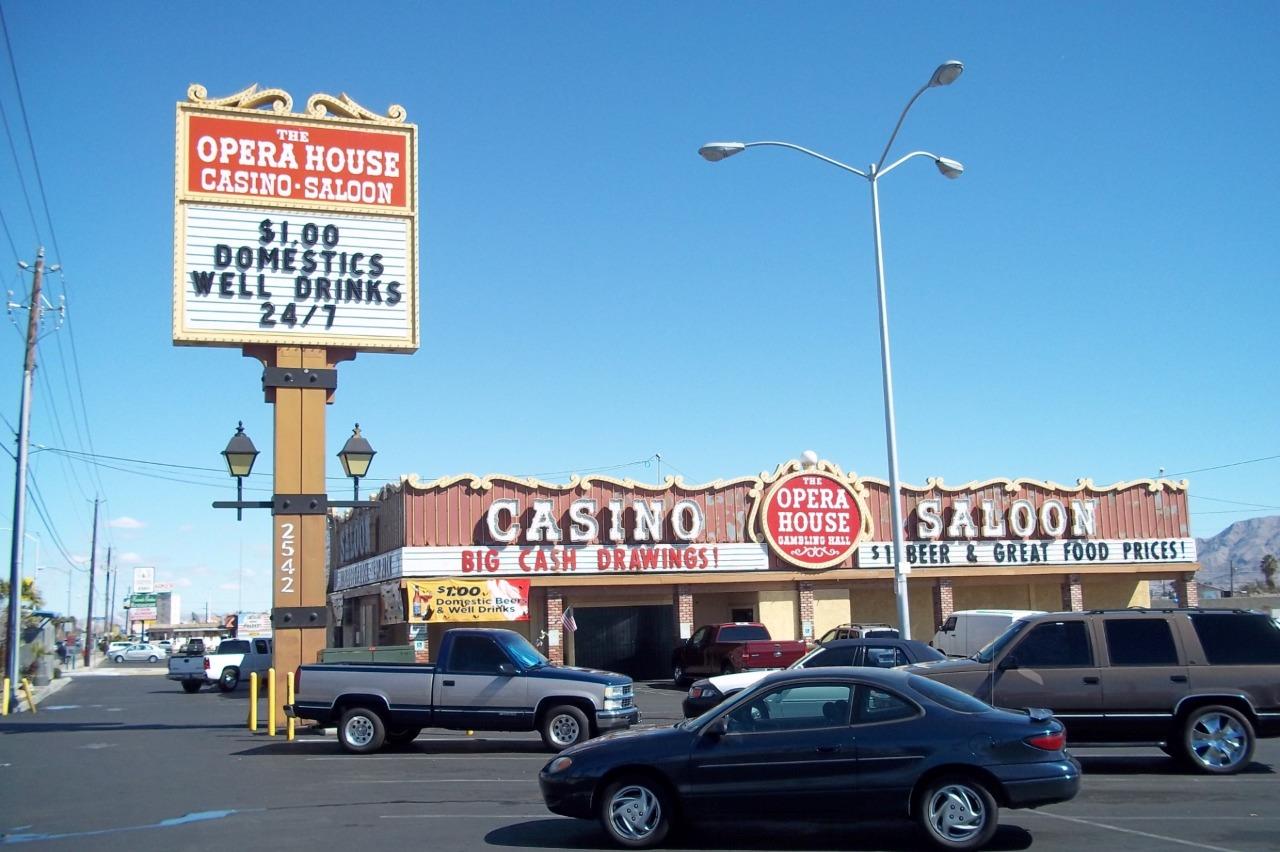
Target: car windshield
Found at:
522, 652
807, 659
998, 644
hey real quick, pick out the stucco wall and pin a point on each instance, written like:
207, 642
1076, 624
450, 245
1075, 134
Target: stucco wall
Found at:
780, 612
1115, 592
831, 608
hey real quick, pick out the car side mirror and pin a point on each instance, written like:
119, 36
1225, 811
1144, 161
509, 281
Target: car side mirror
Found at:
717, 729
506, 669
1010, 662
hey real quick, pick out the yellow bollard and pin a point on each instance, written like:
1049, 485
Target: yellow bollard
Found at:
31, 701
271, 702
288, 697
253, 702
4, 702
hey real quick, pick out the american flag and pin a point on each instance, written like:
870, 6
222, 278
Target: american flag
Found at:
568, 621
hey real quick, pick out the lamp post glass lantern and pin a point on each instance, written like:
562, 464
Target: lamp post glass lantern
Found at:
944, 75
240, 455
356, 455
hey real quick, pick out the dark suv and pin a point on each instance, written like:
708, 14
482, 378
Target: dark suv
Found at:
1202, 684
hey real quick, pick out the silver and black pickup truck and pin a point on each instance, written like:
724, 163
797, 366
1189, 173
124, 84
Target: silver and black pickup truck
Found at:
482, 680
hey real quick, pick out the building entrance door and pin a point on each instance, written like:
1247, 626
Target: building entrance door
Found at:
631, 640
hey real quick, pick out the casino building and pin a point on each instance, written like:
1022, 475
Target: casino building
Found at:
638, 566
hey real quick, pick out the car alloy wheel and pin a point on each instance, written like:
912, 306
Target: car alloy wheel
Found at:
958, 813
119, 659
634, 812
1219, 740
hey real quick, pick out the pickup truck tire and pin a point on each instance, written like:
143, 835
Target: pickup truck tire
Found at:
957, 812
636, 812
229, 679
361, 730
403, 736
1217, 740
190, 686
564, 725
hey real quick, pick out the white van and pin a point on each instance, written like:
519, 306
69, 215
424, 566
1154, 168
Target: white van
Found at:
966, 632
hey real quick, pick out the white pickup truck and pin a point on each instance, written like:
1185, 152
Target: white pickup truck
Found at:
235, 659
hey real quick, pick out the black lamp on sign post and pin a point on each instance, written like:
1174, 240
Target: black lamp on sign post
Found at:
356, 456
240, 455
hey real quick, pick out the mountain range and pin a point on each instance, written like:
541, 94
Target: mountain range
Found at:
1244, 543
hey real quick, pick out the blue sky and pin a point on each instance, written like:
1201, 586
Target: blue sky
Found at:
1096, 297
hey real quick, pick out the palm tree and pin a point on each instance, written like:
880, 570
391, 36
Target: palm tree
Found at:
1269, 566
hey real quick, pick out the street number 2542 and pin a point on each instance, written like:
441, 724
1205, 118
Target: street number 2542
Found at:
286, 552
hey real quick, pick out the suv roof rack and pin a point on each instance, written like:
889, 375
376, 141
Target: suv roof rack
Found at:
1166, 609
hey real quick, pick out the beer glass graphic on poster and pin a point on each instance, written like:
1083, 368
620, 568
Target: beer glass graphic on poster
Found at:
304, 274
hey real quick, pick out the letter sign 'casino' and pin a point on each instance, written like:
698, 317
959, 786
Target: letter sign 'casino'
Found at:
814, 520
295, 229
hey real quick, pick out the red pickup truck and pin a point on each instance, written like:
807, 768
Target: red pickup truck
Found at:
715, 649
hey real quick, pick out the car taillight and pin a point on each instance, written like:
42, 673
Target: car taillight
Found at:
206, 664
1054, 741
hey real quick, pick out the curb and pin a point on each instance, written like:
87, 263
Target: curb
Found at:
41, 693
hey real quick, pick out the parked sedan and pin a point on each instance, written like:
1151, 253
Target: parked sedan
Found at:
148, 652
826, 743
880, 653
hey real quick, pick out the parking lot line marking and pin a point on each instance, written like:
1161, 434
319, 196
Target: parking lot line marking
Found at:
425, 755
506, 781
461, 816
1163, 837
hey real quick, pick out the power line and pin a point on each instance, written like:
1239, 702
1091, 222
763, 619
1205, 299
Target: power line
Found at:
35, 161
1233, 502
1222, 466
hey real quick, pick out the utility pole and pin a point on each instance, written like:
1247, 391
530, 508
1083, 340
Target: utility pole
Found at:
1233, 579
113, 584
34, 309
106, 597
93, 562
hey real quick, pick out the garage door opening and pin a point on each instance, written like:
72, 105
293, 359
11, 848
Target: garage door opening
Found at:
632, 640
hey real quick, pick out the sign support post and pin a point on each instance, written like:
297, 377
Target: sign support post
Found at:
295, 240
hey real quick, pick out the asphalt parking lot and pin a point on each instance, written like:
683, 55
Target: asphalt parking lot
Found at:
129, 761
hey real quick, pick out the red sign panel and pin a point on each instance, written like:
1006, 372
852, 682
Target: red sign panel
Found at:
264, 160
812, 519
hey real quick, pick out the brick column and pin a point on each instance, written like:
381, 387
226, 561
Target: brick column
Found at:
555, 630
1184, 586
944, 601
682, 603
806, 610
1072, 593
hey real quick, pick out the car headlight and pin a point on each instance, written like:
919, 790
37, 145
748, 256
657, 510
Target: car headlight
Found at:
614, 704
620, 691
704, 690
560, 764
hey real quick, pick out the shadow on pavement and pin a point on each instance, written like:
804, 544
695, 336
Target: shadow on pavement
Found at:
1153, 765
901, 836
38, 726
426, 749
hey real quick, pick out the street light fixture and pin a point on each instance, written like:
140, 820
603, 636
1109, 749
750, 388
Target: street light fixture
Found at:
944, 75
356, 455
240, 455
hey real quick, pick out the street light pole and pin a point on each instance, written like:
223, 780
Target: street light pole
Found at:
944, 75
900, 571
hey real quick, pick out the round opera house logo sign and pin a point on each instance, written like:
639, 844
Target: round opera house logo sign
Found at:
814, 520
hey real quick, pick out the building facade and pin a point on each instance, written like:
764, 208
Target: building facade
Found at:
638, 566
